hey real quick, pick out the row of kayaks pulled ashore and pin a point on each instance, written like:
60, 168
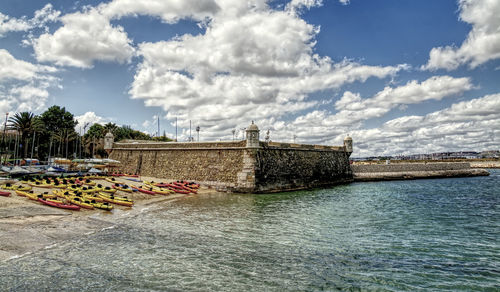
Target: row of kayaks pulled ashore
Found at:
182, 187
49, 182
75, 201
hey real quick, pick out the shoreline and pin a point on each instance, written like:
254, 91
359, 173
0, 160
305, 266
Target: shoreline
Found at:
27, 226
411, 175
410, 171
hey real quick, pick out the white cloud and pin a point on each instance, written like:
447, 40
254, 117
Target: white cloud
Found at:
467, 125
324, 127
252, 65
83, 38
88, 36
297, 5
169, 11
89, 118
30, 98
40, 19
23, 85
482, 43
434, 88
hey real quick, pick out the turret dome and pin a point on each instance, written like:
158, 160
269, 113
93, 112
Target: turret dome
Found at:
253, 127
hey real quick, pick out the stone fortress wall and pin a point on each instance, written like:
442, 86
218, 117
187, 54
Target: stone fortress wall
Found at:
242, 166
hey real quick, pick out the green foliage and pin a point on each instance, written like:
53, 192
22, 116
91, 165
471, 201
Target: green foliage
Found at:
126, 132
26, 124
162, 139
110, 127
56, 135
95, 131
56, 119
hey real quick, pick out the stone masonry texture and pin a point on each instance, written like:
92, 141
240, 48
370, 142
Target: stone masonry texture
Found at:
230, 166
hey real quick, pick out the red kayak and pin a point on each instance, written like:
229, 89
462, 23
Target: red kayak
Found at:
161, 185
59, 205
131, 175
143, 190
179, 191
184, 187
124, 174
5, 194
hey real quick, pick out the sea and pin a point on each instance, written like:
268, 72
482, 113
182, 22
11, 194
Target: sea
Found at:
415, 235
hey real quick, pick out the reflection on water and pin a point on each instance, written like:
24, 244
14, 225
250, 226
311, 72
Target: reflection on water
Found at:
403, 235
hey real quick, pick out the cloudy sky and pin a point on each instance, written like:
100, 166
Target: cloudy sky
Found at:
399, 76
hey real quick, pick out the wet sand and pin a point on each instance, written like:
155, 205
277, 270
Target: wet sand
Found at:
28, 226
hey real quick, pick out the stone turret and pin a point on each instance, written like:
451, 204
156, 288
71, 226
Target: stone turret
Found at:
348, 144
108, 142
253, 136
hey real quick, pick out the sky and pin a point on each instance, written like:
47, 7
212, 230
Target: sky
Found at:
398, 76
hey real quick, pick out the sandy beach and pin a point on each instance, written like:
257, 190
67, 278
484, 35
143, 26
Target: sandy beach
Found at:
28, 226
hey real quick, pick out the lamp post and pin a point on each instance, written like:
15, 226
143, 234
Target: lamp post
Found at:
3, 137
198, 131
234, 131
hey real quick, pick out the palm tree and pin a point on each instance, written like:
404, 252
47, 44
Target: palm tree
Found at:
64, 137
25, 123
110, 127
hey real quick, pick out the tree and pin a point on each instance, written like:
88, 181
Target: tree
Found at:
56, 119
95, 131
60, 127
64, 137
110, 127
126, 132
26, 123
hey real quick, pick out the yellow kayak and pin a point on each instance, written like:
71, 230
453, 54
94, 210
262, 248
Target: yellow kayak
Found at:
15, 187
123, 188
101, 205
81, 202
111, 179
41, 185
116, 200
108, 190
30, 195
93, 197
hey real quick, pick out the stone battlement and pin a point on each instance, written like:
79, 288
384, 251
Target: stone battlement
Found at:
238, 166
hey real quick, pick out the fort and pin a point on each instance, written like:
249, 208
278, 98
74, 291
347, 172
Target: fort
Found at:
248, 166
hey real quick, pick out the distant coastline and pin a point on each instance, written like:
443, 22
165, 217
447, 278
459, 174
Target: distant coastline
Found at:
419, 170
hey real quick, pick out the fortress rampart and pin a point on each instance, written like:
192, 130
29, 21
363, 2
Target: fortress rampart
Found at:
242, 166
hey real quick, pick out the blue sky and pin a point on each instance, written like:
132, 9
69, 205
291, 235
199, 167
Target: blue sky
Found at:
399, 76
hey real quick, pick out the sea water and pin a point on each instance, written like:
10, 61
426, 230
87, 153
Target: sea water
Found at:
439, 234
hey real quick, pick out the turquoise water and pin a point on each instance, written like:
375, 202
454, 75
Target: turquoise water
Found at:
438, 234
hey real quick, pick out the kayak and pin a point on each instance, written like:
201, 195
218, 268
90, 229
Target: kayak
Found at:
41, 185
4, 194
179, 191
111, 199
161, 191
183, 186
58, 205
115, 197
140, 189
15, 187
108, 190
110, 179
30, 195
80, 202
120, 187
101, 205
